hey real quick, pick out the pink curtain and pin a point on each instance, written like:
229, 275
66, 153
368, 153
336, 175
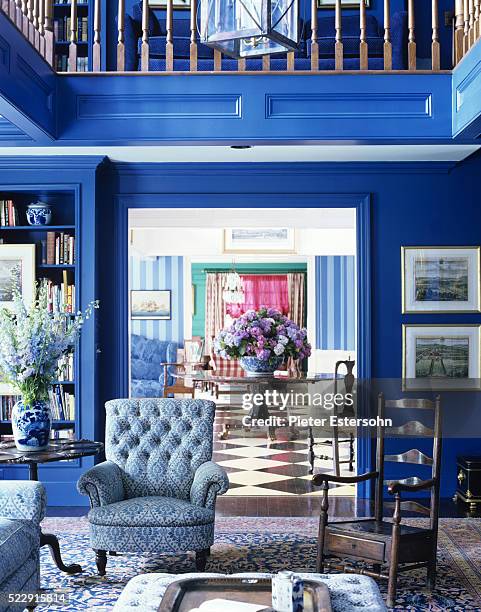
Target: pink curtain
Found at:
269, 290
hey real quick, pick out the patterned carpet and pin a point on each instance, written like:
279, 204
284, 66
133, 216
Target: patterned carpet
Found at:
268, 544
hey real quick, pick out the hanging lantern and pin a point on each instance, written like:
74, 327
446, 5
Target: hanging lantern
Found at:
233, 289
250, 28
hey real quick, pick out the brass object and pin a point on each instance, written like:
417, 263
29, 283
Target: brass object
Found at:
461, 477
469, 495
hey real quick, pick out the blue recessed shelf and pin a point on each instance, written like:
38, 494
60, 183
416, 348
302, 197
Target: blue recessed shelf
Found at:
37, 228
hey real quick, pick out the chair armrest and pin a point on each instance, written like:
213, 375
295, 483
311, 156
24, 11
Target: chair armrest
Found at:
210, 480
397, 487
103, 484
318, 479
22, 499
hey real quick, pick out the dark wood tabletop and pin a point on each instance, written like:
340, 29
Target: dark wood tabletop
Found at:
57, 450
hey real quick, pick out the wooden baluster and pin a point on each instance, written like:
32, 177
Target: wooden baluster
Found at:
169, 45
25, 18
471, 38
411, 37
18, 14
36, 25
338, 48
458, 31
435, 47
41, 27
49, 37
144, 56
477, 16
314, 43
363, 50
72, 50
291, 61
193, 35
121, 36
266, 63
31, 30
241, 64
11, 9
5, 6
387, 36
217, 60
96, 42
466, 27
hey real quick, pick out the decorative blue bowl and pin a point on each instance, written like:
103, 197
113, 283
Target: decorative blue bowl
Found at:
259, 367
31, 425
39, 214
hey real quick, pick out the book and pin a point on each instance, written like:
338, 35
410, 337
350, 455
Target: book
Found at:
50, 247
8, 214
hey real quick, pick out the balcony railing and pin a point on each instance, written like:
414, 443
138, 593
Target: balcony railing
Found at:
34, 18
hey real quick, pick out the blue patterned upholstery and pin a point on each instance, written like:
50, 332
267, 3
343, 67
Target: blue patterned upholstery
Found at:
348, 591
156, 492
146, 358
22, 507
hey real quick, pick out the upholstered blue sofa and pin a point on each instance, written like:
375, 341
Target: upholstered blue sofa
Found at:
326, 40
156, 492
147, 373
22, 507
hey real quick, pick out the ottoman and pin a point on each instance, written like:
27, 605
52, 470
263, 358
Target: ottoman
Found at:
349, 592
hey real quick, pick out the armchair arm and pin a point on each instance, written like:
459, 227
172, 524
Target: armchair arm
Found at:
318, 479
22, 499
210, 480
398, 487
103, 484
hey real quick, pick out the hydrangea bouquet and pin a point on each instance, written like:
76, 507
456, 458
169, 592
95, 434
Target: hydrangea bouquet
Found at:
32, 341
265, 335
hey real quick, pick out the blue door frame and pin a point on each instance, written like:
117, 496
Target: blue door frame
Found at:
359, 201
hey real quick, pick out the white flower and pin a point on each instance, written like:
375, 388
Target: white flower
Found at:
279, 349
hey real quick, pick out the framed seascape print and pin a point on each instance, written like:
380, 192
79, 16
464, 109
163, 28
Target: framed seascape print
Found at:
155, 304
176, 4
440, 279
441, 357
264, 239
17, 265
331, 4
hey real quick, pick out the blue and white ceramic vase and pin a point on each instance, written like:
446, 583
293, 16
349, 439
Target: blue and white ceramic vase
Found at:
39, 214
260, 367
31, 424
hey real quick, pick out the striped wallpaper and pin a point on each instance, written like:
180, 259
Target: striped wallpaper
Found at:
336, 302
160, 273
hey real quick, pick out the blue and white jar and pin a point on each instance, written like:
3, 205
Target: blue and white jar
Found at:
39, 213
31, 424
260, 367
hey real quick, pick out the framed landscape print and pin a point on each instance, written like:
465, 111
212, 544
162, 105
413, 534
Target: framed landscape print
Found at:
145, 304
176, 4
440, 279
441, 357
331, 4
263, 239
17, 265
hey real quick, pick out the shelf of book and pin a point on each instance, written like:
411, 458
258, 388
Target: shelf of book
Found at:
61, 24
56, 263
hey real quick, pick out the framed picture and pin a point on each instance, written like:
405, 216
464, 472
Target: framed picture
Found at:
17, 265
331, 4
441, 357
255, 240
440, 279
145, 304
176, 4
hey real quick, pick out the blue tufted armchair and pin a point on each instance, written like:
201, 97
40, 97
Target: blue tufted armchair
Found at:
157, 490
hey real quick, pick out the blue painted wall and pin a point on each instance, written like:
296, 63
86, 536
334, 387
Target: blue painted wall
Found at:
336, 302
160, 273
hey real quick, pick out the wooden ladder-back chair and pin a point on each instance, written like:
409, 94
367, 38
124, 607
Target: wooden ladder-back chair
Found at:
389, 547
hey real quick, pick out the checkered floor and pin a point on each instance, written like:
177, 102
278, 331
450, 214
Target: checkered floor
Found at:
258, 466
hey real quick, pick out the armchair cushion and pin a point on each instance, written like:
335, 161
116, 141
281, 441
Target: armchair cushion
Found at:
102, 483
151, 511
19, 539
210, 480
22, 499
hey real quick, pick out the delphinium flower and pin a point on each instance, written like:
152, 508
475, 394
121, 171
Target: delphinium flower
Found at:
32, 341
266, 334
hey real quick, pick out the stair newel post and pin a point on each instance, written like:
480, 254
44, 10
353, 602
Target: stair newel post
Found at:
193, 35
435, 46
72, 49
363, 50
96, 42
314, 43
48, 27
387, 48
121, 36
144, 58
411, 37
338, 48
169, 45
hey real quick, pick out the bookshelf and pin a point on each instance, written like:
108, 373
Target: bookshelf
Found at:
55, 244
61, 11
